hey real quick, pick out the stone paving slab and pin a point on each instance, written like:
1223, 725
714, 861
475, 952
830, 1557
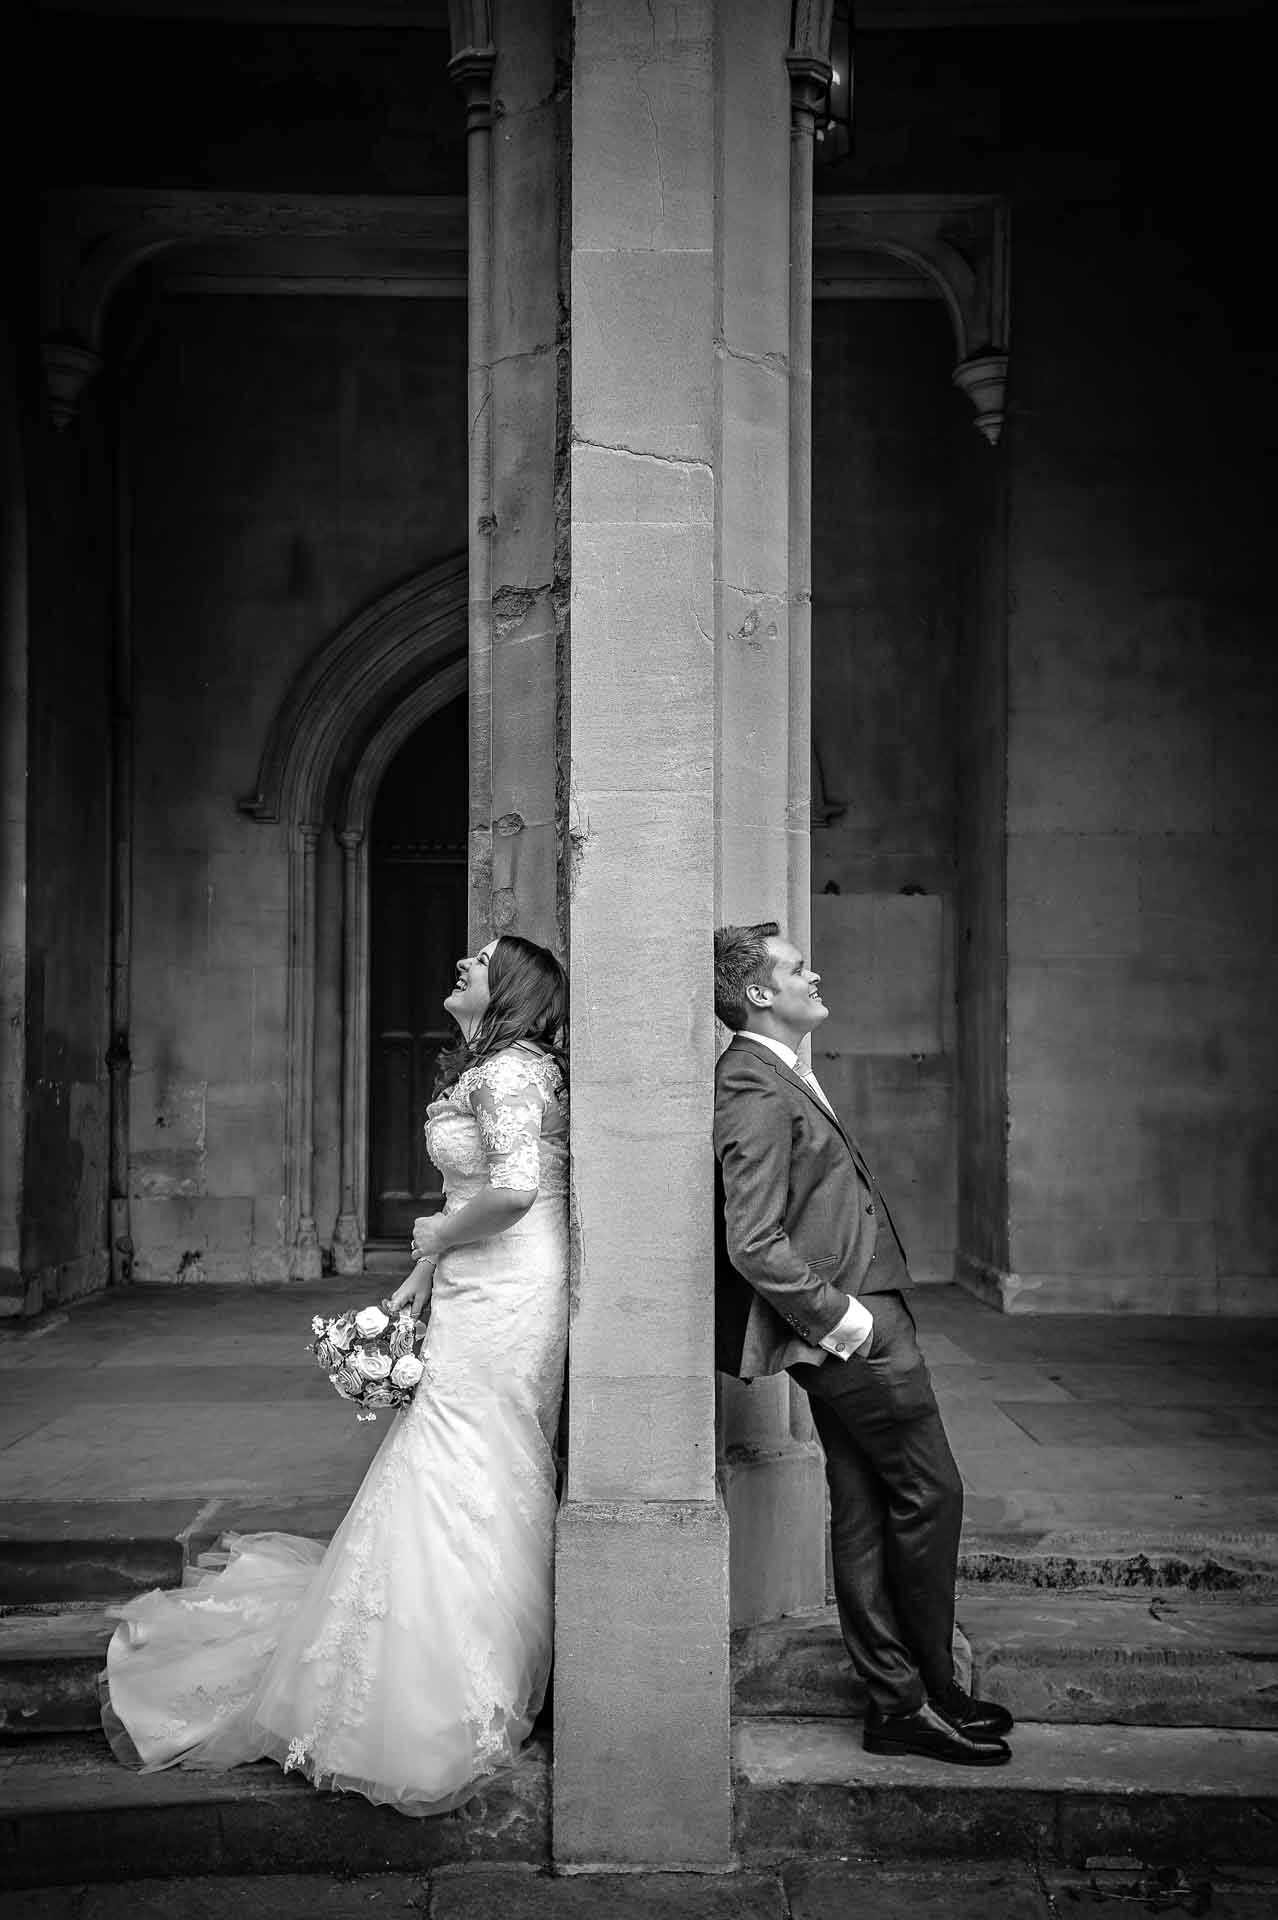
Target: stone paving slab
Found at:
468, 1894
821, 1890
1070, 1793
829, 1890
228, 1405
214, 1897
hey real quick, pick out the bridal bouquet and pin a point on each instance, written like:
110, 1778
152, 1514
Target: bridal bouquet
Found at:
370, 1357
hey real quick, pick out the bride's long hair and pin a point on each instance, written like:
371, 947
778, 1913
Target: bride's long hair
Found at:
527, 1000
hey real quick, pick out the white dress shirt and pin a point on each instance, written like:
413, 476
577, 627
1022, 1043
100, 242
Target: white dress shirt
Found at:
856, 1329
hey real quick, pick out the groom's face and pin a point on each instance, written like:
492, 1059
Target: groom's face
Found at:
796, 1001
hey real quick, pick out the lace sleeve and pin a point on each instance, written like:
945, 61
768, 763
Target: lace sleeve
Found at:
508, 1101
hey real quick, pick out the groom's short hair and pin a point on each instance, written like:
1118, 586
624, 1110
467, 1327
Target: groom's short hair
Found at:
741, 960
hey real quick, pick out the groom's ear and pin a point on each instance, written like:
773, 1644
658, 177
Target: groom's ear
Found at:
759, 996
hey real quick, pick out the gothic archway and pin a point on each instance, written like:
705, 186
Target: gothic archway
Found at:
350, 1233
400, 655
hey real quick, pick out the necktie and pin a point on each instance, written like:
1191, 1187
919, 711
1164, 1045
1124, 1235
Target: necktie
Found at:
806, 1074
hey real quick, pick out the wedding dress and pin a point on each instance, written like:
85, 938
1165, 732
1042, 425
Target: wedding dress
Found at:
408, 1660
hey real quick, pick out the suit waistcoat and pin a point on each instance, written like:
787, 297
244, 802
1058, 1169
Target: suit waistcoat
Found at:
887, 1271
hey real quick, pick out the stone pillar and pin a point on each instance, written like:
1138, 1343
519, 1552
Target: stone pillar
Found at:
641, 1664
119, 1050
529, 417
348, 1232
772, 1472
471, 67
13, 838
508, 57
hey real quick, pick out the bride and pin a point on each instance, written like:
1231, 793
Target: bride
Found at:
408, 1661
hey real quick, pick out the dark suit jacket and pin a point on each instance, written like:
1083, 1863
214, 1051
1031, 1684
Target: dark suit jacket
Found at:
798, 1217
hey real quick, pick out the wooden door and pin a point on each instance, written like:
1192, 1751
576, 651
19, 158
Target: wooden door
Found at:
417, 928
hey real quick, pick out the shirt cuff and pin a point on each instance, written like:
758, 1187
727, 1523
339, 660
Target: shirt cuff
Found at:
854, 1331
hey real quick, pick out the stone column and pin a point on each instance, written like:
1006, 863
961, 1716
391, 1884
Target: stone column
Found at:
348, 1233
508, 57
529, 418
772, 1472
471, 68
13, 838
641, 1674
686, 721
119, 1051
299, 1144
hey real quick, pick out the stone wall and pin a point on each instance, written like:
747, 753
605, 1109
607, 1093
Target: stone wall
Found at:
293, 460
71, 535
1142, 794
1141, 1023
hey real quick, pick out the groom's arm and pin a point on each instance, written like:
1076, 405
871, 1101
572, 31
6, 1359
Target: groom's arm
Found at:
753, 1142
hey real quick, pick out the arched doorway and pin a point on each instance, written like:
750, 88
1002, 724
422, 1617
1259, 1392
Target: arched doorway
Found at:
417, 929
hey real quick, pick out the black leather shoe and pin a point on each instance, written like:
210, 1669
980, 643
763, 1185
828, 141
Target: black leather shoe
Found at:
929, 1733
978, 1719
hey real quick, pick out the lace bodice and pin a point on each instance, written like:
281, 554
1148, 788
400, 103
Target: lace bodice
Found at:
504, 1124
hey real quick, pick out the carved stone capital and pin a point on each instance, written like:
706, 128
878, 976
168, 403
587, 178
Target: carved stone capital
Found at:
68, 369
809, 83
984, 380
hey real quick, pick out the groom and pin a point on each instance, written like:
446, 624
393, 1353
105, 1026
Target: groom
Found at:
809, 1278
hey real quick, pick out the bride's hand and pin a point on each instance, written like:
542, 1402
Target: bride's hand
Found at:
426, 1229
414, 1292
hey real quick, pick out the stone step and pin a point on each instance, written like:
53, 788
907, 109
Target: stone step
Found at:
1069, 1795
1088, 1656
86, 1550
1154, 1659
90, 1550
50, 1658
1066, 1560
69, 1813
51, 1654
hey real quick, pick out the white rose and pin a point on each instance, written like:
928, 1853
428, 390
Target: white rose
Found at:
373, 1366
371, 1322
340, 1334
407, 1371
317, 1325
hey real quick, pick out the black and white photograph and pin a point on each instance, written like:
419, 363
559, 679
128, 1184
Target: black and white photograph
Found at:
638, 960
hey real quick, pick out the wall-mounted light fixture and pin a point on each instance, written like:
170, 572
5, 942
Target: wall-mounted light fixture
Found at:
834, 122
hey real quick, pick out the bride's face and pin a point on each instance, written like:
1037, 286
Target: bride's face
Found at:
468, 1001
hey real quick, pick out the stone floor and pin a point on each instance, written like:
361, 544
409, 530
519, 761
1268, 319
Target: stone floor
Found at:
1112, 1454
1127, 1434
814, 1890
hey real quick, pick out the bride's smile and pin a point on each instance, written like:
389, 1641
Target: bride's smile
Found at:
468, 1001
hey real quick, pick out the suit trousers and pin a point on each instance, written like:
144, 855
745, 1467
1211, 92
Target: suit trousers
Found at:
896, 1510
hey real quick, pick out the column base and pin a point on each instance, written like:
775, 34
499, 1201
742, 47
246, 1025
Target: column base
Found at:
642, 1773
775, 1500
348, 1245
994, 1285
308, 1261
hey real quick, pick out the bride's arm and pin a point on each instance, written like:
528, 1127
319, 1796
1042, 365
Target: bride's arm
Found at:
508, 1105
415, 1292
489, 1213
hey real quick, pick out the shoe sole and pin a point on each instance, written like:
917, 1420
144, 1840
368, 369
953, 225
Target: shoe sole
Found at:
899, 1749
